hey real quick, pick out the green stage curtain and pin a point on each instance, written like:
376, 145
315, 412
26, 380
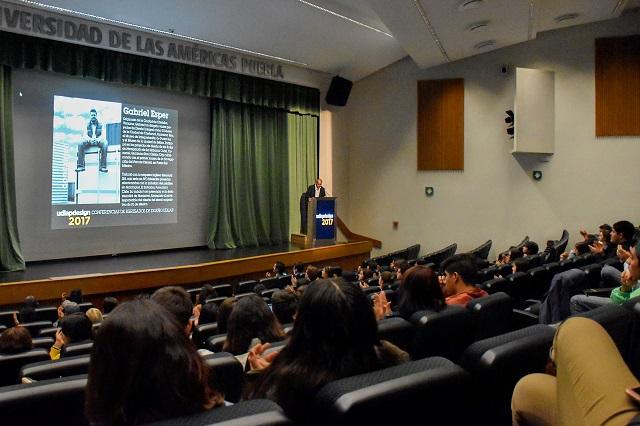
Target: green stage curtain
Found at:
303, 165
19, 51
10, 254
249, 203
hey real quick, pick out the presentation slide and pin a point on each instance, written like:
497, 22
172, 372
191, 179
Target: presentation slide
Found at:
113, 164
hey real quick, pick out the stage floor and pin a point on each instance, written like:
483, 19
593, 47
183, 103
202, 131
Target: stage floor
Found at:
137, 261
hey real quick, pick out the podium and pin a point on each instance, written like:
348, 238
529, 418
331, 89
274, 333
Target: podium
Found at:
321, 222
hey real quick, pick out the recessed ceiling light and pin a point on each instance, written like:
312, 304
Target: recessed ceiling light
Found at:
484, 44
478, 26
566, 17
470, 4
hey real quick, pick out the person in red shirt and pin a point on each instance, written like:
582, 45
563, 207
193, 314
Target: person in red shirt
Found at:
457, 283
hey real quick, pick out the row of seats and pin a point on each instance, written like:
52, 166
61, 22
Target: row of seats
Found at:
46, 313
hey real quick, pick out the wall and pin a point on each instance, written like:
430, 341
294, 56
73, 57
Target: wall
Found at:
586, 182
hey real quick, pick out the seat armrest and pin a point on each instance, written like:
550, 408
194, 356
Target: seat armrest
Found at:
602, 292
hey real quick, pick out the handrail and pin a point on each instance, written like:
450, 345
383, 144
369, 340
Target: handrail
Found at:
351, 236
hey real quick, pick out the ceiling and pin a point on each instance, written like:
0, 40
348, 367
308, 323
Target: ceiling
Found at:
310, 32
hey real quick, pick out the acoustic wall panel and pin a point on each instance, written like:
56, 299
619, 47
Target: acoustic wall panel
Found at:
441, 124
617, 76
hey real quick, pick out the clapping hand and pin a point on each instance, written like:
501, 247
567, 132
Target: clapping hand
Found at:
381, 307
256, 359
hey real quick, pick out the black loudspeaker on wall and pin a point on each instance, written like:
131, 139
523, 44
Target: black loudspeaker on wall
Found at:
338, 92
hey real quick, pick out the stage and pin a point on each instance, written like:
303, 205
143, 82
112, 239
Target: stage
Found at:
128, 274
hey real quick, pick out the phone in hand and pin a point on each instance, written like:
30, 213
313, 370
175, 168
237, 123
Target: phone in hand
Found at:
634, 393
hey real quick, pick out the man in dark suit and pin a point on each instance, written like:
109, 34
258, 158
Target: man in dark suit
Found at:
314, 191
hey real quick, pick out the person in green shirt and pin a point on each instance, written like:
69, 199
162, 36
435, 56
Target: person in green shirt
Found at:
630, 287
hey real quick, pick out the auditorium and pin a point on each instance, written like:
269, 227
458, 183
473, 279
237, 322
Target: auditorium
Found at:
320, 212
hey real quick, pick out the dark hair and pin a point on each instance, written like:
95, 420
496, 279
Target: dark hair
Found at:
605, 228
582, 247
420, 291
27, 314
144, 368
279, 268
371, 265
312, 272
208, 313
108, 304
387, 277
259, 288
532, 247
334, 335
515, 253
251, 318
177, 301
93, 110
77, 327
15, 340
224, 311
31, 301
333, 271
284, 305
75, 295
298, 268
367, 273
464, 265
625, 228
206, 292
522, 264
402, 266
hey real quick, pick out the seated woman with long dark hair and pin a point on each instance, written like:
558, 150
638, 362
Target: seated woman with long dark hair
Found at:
334, 335
420, 291
251, 319
144, 368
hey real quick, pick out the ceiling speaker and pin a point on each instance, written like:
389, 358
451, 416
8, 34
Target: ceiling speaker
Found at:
338, 92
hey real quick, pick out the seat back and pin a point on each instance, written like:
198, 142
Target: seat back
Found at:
404, 389
445, 333
223, 290
490, 315
6, 318
47, 313
437, 257
255, 412
495, 285
35, 327
497, 363
48, 332
269, 283
37, 403
245, 286
42, 342
10, 364
397, 331
52, 369
540, 280
619, 323
482, 251
85, 306
227, 375
202, 332
81, 348
215, 343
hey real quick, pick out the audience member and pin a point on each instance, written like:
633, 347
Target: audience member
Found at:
278, 270
460, 273
177, 301
144, 369
530, 248
75, 295
94, 315
15, 340
74, 328
629, 288
386, 280
583, 392
224, 311
298, 268
312, 273
334, 336
208, 313
109, 304
284, 305
251, 319
67, 307
420, 291
622, 235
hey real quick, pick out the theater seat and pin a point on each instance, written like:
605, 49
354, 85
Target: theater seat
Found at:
619, 323
81, 348
497, 363
47, 313
445, 333
397, 331
227, 375
245, 286
490, 315
10, 365
426, 391
202, 332
255, 412
223, 290
215, 343
52, 369
42, 342
35, 327
43, 403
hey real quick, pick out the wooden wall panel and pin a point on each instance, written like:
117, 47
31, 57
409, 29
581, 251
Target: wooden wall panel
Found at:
441, 124
617, 77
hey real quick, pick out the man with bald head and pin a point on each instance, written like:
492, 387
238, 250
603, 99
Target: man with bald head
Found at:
316, 190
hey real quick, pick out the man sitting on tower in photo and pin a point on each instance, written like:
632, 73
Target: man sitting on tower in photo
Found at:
94, 133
